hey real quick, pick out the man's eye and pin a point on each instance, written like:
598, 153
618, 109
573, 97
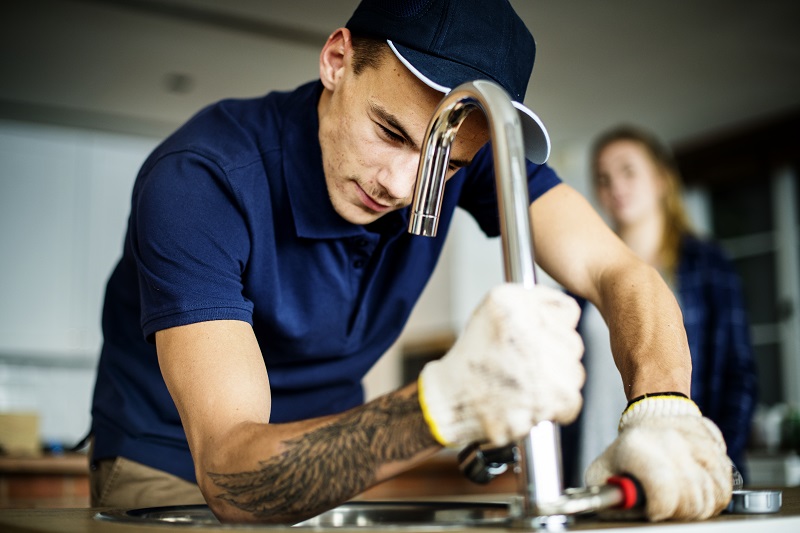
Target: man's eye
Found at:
392, 136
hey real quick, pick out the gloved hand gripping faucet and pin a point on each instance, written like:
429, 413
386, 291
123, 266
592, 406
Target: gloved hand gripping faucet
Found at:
678, 456
516, 364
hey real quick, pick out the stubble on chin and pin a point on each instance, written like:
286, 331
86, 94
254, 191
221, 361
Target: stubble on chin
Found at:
378, 194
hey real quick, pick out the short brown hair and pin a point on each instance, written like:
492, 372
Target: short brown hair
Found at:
368, 52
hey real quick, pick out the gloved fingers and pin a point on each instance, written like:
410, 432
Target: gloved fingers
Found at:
513, 299
509, 417
557, 333
716, 434
568, 410
565, 357
683, 478
545, 361
553, 396
719, 474
560, 377
505, 425
550, 310
647, 459
701, 499
520, 423
710, 494
558, 305
599, 470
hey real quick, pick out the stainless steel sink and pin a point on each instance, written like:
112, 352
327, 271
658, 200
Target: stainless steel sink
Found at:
389, 515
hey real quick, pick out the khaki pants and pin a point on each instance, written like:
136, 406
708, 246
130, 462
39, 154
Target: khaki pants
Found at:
124, 483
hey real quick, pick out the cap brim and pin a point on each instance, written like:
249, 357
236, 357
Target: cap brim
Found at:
534, 135
450, 74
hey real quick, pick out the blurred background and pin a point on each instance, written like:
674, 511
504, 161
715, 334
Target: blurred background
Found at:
89, 87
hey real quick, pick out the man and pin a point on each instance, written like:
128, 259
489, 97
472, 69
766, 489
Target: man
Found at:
267, 266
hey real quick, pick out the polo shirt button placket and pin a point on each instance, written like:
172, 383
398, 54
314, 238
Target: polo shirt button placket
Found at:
362, 252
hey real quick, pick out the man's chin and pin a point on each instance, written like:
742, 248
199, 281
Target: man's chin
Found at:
359, 216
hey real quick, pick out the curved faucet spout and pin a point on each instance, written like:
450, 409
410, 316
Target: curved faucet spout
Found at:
505, 132
540, 454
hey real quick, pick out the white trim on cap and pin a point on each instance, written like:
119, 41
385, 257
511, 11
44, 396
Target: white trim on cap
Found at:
427, 81
537, 143
524, 109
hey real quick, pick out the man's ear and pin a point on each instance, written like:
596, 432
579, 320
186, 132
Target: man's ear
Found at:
332, 58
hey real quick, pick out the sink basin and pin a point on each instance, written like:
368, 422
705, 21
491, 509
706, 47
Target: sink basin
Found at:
366, 514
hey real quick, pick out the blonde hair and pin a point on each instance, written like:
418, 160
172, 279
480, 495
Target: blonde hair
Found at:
676, 222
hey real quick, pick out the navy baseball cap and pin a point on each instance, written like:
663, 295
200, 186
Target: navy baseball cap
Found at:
445, 43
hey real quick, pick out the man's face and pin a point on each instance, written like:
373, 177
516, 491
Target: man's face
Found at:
371, 132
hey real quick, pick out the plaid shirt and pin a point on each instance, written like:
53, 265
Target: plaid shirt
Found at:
723, 369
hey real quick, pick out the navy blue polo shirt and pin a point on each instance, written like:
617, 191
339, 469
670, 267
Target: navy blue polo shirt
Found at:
231, 220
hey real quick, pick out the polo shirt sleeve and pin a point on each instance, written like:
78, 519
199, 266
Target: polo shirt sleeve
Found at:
190, 242
479, 195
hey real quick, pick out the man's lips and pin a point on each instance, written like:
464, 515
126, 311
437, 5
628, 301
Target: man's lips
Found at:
369, 203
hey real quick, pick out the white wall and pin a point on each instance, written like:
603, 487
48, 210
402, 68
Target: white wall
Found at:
64, 197
64, 200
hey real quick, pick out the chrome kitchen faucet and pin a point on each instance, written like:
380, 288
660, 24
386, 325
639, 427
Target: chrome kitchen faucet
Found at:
539, 454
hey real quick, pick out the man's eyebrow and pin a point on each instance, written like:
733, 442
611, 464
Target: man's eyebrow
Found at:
394, 122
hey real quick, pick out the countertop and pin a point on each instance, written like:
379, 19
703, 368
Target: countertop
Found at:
82, 521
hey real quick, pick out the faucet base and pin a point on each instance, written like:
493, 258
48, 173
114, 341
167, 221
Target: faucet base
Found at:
557, 522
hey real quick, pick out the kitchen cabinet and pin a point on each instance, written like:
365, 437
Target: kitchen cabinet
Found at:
48, 481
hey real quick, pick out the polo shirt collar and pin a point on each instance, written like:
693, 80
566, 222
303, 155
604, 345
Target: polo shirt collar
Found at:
311, 207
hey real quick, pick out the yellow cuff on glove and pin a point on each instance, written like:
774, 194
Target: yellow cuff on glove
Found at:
426, 413
669, 404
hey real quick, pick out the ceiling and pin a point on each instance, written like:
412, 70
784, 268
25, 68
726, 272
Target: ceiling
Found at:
684, 68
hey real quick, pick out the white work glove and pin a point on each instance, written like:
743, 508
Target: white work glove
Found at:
678, 456
516, 364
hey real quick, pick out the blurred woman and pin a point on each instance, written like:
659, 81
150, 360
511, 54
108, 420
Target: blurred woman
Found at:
638, 186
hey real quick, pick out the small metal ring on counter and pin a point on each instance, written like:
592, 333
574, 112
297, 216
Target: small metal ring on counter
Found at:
755, 502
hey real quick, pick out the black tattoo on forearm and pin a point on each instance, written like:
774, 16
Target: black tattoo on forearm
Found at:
332, 463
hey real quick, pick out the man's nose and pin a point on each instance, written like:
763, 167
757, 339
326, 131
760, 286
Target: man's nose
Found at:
399, 176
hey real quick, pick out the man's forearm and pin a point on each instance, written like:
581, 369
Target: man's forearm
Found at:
648, 338
583, 255
331, 463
